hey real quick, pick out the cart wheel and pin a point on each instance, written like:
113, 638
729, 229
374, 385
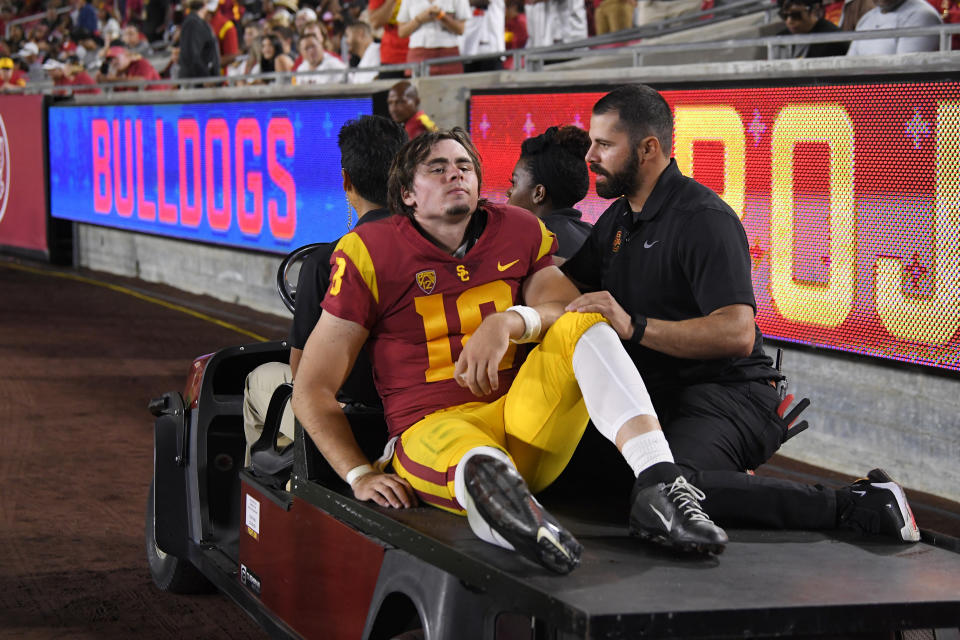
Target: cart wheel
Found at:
170, 573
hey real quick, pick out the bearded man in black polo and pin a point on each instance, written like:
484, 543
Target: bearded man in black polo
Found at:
668, 266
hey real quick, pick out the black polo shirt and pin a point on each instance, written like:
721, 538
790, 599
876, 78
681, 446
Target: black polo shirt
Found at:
570, 230
683, 256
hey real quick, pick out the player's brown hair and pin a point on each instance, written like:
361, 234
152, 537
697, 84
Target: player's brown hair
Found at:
405, 164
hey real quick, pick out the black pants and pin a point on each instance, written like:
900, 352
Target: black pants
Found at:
491, 64
718, 431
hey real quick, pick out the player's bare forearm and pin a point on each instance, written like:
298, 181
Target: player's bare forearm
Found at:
329, 429
549, 291
549, 312
323, 420
327, 359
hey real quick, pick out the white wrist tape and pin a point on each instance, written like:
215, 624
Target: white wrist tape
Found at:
358, 472
531, 324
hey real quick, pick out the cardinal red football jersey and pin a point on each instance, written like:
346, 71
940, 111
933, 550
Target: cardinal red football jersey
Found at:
421, 304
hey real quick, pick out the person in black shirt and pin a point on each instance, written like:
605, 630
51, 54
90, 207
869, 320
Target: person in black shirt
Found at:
668, 265
199, 47
549, 179
367, 148
158, 18
806, 16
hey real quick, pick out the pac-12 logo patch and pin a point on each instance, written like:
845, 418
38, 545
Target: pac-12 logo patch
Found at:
427, 280
4, 168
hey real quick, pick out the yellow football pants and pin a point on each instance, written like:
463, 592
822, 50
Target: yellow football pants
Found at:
538, 422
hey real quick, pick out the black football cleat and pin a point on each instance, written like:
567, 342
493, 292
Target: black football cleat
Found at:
670, 515
879, 506
503, 500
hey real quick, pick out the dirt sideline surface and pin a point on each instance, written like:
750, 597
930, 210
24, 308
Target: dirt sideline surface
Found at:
80, 363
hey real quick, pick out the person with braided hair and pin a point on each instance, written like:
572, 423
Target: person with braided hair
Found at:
549, 179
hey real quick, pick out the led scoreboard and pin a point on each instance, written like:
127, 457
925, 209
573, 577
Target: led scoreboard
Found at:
849, 195
261, 175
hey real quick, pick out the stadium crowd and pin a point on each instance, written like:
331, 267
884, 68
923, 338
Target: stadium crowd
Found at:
89, 43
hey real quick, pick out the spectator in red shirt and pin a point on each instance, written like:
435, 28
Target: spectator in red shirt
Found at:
11, 78
226, 32
516, 25
515, 29
125, 66
69, 75
403, 103
393, 48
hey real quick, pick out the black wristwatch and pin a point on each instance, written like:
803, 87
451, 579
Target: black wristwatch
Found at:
639, 327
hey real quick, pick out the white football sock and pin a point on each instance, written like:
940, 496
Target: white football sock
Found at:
646, 450
479, 526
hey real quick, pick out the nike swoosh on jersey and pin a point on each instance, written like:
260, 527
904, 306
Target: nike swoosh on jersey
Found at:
667, 523
504, 267
647, 244
859, 493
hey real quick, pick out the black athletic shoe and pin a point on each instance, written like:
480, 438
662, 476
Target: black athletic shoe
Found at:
879, 506
670, 514
506, 504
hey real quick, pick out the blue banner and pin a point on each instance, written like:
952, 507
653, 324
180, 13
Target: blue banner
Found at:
259, 175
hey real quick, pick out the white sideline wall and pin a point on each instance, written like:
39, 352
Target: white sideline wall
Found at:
865, 413
241, 277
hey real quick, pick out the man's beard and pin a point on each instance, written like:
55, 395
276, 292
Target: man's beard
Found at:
623, 182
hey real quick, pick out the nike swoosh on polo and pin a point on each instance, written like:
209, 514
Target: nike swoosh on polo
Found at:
859, 493
504, 267
647, 244
667, 523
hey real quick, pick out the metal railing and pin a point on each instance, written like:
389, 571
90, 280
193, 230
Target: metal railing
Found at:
535, 59
34, 17
420, 69
522, 58
531, 61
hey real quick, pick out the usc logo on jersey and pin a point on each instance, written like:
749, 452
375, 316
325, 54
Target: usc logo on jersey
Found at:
427, 280
462, 273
